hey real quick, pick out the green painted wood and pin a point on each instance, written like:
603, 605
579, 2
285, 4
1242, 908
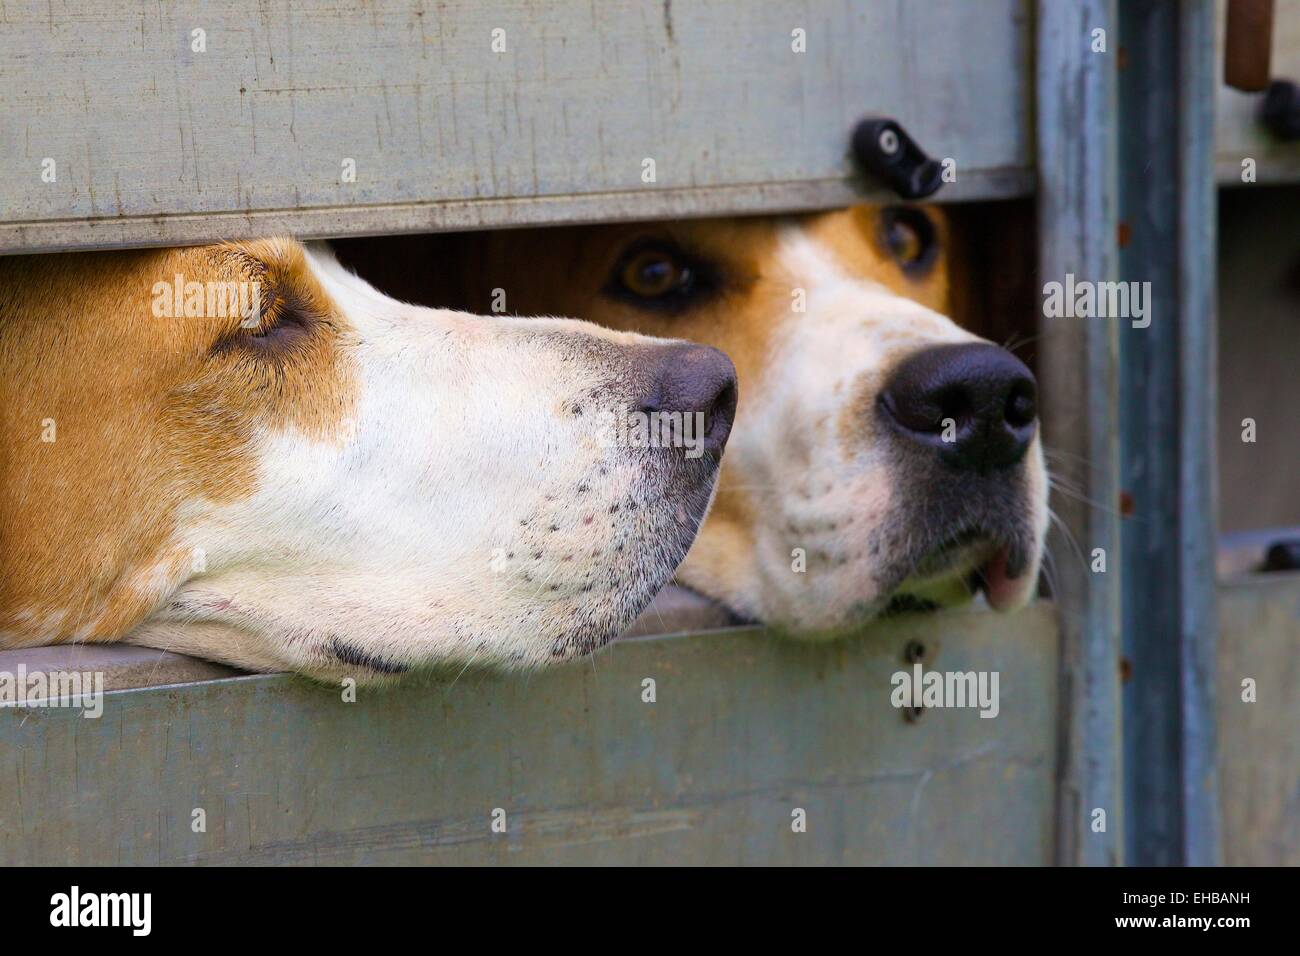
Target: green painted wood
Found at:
745, 729
1259, 743
158, 144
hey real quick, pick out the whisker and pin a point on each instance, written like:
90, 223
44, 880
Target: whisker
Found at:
1056, 484
1062, 454
1069, 537
1012, 343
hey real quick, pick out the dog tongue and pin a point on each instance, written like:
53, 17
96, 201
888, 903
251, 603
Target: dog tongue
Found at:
1000, 589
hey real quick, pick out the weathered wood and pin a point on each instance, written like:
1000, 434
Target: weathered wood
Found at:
1248, 44
1259, 743
745, 729
1077, 197
121, 666
155, 143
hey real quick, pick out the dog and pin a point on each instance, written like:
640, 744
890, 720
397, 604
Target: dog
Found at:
246, 453
885, 458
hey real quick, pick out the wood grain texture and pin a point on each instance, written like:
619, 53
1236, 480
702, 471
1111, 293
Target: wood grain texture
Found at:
1248, 44
156, 143
1077, 207
745, 728
1259, 743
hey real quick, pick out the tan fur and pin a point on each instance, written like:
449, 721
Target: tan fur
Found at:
145, 419
806, 467
374, 487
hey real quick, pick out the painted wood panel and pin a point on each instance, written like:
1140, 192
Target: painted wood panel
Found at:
155, 142
1259, 742
744, 730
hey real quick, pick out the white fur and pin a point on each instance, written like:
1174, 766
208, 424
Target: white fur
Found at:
811, 489
415, 539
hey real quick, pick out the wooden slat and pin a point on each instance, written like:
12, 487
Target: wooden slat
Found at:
745, 729
156, 144
763, 699
1079, 359
1259, 743
1248, 44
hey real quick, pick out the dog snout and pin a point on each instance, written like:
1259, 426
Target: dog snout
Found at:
690, 379
975, 404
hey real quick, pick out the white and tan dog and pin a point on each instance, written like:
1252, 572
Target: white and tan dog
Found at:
884, 457
327, 480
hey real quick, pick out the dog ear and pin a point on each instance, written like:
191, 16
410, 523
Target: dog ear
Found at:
993, 267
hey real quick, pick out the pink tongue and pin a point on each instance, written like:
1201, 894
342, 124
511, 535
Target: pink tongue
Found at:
1000, 589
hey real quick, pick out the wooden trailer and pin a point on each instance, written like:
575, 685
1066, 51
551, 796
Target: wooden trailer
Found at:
188, 122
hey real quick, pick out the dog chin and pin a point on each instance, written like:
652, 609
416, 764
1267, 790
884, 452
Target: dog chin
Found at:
967, 565
422, 614
602, 600
590, 606
1003, 575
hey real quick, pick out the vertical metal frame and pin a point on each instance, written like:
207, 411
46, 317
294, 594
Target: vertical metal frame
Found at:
1168, 391
1077, 198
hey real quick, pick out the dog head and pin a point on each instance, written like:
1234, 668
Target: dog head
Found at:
245, 452
883, 458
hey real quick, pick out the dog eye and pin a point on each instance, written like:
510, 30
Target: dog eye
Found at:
271, 326
656, 275
655, 272
280, 325
908, 234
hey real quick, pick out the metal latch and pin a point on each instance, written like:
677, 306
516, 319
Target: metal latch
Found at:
885, 150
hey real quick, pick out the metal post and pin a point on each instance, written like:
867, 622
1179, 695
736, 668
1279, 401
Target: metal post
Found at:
1167, 202
1079, 363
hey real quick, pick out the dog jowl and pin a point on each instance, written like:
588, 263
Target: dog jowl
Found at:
883, 457
321, 478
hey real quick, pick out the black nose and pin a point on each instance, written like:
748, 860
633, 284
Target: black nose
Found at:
974, 404
690, 378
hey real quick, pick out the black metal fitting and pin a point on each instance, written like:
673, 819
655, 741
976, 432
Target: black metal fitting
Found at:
884, 149
1280, 111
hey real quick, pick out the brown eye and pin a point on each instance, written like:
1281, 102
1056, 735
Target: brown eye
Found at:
657, 275
653, 273
909, 236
